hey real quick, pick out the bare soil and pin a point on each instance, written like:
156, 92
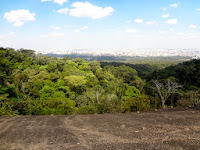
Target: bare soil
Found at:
171, 129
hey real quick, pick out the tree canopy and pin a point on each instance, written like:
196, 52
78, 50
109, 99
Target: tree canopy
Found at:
34, 84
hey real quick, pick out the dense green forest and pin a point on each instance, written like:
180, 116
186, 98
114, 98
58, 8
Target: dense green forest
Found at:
143, 70
34, 84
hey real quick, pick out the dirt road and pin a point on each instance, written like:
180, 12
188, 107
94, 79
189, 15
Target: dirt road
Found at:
174, 129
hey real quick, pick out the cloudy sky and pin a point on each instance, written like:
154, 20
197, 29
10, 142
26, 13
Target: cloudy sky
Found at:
63, 24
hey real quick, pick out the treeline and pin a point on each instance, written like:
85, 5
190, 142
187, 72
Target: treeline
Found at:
89, 57
33, 84
144, 70
186, 73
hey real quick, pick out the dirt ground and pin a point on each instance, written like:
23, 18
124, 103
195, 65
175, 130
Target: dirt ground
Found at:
174, 129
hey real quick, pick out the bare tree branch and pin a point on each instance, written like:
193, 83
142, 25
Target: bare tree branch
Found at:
165, 89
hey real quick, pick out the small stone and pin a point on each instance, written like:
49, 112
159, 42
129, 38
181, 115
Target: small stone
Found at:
123, 126
187, 129
144, 128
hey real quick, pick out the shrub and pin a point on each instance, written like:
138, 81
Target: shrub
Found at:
6, 109
182, 103
138, 103
38, 107
86, 109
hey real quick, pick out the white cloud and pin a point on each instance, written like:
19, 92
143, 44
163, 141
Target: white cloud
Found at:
164, 9
150, 22
163, 32
63, 11
77, 31
192, 26
198, 9
165, 16
175, 5
53, 34
81, 29
171, 29
57, 34
138, 20
180, 33
188, 35
60, 2
88, 10
55, 27
7, 39
18, 17
85, 27
172, 21
7, 35
131, 30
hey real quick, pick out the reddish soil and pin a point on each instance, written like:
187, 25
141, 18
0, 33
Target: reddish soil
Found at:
174, 129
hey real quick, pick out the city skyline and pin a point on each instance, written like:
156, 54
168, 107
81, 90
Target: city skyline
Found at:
63, 24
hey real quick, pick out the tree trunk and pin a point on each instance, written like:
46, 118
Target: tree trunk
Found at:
163, 103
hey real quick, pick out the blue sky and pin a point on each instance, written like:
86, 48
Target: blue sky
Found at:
63, 24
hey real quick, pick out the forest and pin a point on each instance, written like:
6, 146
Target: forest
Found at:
34, 84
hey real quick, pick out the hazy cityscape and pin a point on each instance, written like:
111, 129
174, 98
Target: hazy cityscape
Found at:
194, 53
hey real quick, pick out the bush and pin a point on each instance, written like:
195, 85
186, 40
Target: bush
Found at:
38, 107
110, 103
86, 109
190, 98
182, 103
6, 109
138, 103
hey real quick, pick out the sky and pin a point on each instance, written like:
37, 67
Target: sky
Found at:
80, 24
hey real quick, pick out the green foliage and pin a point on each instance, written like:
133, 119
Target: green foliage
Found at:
82, 100
94, 65
46, 92
143, 69
190, 98
131, 91
52, 66
186, 73
122, 72
33, 84
38, 107
76, 81
138, 103
4, 97
6, 108
86, 109
110, 104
